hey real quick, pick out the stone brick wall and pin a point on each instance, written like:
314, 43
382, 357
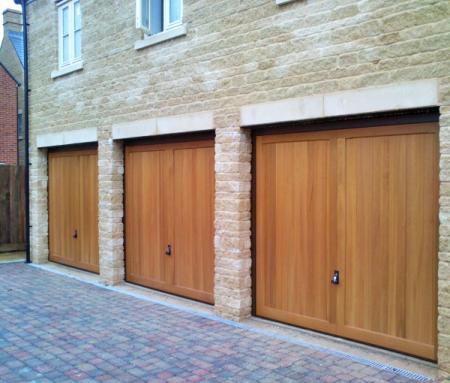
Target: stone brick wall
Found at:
111, 169
232, 219
235, 53
8, 118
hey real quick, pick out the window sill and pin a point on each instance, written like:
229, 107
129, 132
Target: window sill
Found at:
282, 2
160, 37
76, 66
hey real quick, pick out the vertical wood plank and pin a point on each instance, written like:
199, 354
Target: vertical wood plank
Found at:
391, 221
296, 229
73, 208
194, 219
170, 201
382, 205
88, 221
145, 225
5, 212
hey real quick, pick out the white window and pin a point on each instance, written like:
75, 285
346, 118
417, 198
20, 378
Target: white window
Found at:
156, 16
69, 32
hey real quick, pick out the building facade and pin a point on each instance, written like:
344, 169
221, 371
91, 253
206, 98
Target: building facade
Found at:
309, 96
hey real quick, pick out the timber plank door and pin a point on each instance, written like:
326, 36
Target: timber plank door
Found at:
73, 210
169, 204
346, 233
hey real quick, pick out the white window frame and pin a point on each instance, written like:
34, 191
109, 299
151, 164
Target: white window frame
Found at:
70, 5
167, 25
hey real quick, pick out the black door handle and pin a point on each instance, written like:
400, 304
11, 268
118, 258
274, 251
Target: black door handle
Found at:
335, 278
75, 234
169, 250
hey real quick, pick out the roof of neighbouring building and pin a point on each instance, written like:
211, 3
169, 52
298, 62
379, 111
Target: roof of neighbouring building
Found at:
16, 39
9, 73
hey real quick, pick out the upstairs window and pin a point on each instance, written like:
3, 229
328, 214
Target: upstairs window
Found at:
156, 16
69, 32
19, 125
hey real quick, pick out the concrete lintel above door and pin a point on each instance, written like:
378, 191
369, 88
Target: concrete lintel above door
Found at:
184, 123
70, 137
390, 97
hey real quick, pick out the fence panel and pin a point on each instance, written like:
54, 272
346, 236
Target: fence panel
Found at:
12, 208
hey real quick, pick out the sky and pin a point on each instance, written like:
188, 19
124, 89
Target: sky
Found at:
3, 5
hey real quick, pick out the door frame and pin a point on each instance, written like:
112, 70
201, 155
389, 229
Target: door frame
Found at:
70, 150
407, 117
181, 139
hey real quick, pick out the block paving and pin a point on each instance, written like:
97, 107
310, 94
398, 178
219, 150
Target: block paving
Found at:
57, 329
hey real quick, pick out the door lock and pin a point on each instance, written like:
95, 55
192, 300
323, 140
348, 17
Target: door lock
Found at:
169, 250
335, 279
75, 234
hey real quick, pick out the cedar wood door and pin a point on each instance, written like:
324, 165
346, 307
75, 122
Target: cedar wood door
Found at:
363, 202
170, 217
73, 208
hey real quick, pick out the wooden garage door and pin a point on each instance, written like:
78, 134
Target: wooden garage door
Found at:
361, 205
170, 217
73, 210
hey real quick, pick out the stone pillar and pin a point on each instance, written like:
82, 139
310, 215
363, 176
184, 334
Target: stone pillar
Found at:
110, 205
38, 205
232, 219
444, 243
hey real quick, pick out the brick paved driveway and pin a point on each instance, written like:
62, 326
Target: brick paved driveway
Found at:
53, 328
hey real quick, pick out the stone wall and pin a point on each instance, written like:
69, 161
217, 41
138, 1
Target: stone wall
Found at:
235, 53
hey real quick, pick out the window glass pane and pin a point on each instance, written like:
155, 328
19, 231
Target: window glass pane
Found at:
156, 16
65, 21
77, 44
65, 48
77, 15
145, 16
19, 124
175, 10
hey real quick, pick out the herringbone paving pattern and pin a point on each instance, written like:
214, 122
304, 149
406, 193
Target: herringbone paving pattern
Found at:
57, 329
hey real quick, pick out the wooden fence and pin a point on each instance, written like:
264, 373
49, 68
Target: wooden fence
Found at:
12, 208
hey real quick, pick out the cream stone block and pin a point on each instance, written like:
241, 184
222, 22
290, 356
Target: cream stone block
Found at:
170, 34
38, 206
191, 122
232, 222
111, 228
281, 111
75, 67
69, 137
406, 95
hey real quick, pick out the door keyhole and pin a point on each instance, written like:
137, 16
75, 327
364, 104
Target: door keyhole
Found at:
75, 234
169, 250
335, 278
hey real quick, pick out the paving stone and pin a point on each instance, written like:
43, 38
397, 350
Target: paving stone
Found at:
83, 333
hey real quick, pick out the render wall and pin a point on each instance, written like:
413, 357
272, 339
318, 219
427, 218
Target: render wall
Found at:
235, 53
